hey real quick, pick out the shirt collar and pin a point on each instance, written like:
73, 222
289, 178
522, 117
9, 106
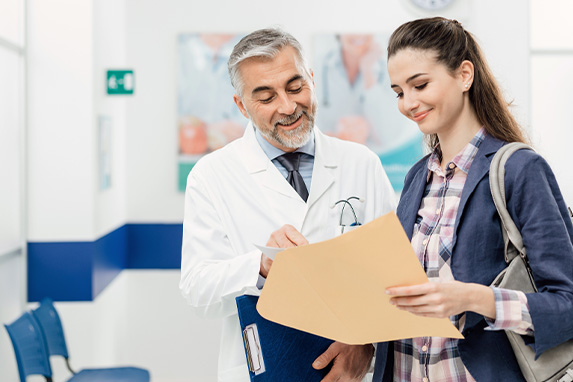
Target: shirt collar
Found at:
273, 152
462, 160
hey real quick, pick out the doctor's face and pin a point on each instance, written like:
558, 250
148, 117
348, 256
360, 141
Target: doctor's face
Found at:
278, 97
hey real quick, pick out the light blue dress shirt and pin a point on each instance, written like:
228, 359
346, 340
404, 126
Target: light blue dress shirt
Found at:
306, 160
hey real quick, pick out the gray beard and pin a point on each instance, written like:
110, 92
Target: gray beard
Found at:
292, 139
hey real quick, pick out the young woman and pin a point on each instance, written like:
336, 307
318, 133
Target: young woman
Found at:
444, 84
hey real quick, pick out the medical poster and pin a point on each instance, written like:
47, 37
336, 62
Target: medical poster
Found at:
207, 117
357, 104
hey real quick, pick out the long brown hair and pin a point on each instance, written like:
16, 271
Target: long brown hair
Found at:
453, 45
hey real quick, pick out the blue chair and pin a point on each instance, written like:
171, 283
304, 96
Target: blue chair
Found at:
51, 325
30, 347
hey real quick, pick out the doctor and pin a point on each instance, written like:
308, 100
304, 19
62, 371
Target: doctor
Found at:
243, 195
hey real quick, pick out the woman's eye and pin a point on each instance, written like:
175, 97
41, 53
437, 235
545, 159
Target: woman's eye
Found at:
420, 87
400, 95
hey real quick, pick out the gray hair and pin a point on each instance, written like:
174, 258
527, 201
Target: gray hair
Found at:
263, 43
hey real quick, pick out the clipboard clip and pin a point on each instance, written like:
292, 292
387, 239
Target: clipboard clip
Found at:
253, 349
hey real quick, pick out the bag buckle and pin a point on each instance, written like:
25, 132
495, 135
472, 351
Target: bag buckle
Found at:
567, 377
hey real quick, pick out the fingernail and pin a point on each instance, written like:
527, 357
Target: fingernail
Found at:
316, 364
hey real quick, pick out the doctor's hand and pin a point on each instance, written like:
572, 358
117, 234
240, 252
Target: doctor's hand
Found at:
285, 237
444, 299
351, 362
266, 263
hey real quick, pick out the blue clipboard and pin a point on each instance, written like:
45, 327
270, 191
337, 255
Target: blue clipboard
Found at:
277, 353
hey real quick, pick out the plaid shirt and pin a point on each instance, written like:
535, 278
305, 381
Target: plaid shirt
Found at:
437, 359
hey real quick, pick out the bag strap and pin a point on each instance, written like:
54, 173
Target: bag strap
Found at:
497, 185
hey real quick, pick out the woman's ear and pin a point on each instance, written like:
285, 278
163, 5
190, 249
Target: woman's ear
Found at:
467, 74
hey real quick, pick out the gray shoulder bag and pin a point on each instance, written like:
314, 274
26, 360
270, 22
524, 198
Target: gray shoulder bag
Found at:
556, 364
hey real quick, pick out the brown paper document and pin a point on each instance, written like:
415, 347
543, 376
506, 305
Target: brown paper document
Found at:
336, 288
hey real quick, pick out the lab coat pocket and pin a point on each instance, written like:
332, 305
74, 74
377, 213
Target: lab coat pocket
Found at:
346, 228
348, 214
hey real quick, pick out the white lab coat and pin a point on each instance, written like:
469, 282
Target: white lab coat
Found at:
236, 198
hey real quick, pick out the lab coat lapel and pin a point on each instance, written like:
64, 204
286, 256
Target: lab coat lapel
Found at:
261, 168
281, 195
325, 163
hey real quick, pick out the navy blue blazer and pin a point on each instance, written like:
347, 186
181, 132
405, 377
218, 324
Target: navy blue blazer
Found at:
539, 211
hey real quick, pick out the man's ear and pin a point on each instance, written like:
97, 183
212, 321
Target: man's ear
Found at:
240, 105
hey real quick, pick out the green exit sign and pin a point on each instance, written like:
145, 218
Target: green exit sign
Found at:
120, 82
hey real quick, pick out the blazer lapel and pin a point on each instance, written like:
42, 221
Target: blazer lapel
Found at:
410, 201
478, 169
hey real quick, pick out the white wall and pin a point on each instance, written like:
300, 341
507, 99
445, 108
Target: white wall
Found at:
552, 87
71, 44
109, 47
182, 347
11, 64
502, 29
11, 275
12, 165
61, 160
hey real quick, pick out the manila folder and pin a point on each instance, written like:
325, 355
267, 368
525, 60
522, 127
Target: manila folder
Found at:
336, 288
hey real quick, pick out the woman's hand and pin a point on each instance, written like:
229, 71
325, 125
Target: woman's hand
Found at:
444, 299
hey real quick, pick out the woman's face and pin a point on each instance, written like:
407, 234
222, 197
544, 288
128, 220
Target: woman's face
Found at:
428, 93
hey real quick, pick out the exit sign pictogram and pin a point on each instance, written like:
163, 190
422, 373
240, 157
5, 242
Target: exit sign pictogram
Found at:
120, 82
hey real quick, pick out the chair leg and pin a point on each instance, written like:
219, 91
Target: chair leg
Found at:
69, 367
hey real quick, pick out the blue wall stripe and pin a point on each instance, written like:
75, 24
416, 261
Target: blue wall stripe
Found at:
62, 271
154, 246
79, 271
110, 258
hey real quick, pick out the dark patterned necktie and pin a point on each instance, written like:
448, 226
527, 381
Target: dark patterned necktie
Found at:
290, 162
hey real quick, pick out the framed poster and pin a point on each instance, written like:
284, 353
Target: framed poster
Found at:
356, 102
207, 117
